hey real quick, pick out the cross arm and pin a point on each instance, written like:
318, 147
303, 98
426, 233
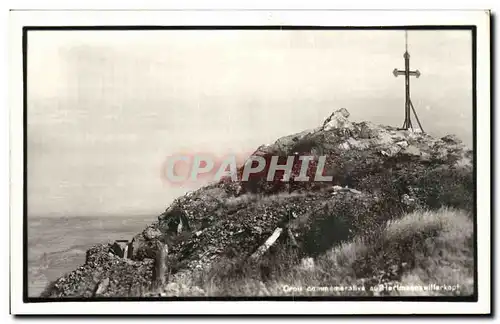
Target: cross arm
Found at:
397, 72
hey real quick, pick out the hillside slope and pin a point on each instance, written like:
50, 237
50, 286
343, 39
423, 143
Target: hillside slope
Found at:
379, 175
411, 256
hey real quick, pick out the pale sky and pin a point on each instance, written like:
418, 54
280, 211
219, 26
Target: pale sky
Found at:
105, 108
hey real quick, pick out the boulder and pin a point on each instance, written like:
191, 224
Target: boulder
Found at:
120, 248
141, 248
337, 120
451, 139
101, 287
152, 233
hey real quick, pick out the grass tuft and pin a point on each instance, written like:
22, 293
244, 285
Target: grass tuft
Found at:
420, 249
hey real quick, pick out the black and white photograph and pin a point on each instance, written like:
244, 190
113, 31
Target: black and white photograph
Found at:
280, 162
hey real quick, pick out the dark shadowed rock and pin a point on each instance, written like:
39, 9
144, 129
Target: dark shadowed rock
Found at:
120, 248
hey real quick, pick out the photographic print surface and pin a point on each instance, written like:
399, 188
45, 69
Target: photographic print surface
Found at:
266, 163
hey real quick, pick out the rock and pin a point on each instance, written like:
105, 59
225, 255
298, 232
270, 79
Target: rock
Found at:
391, 150
451, 139
196, 291
257, 229
172, 288
287, 143
412, 150
140, 248
407, 200
160, 267
358, 144
344, 146
463, 162
123, 277
339, 119
151, 233
101, 287
402, 144
120, 248
366, 130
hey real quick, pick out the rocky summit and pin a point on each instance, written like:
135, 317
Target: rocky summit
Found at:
378, 173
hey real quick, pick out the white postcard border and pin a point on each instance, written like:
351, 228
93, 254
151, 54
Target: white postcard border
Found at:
18, 19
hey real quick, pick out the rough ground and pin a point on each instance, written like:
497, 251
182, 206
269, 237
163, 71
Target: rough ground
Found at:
379, 174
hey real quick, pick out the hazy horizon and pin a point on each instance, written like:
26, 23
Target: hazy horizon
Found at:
105, 108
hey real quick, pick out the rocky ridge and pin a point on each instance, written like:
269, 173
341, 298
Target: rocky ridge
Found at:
379, 173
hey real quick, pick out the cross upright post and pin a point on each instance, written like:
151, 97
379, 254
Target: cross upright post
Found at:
407, 124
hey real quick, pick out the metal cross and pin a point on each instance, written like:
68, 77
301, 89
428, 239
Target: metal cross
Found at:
407, 73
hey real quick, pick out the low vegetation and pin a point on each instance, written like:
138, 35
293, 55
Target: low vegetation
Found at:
421, 249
